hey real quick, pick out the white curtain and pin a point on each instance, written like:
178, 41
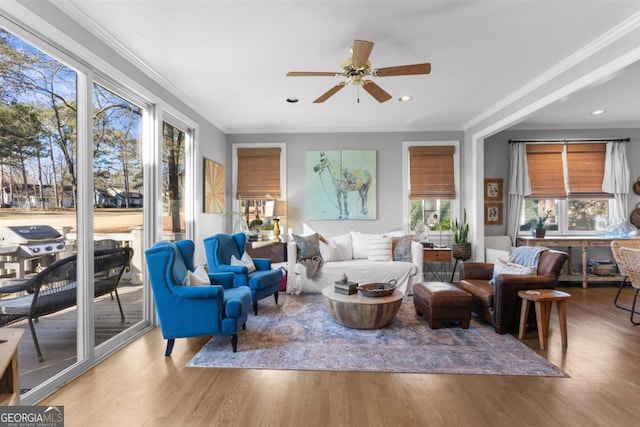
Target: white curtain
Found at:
519, 187
617, 179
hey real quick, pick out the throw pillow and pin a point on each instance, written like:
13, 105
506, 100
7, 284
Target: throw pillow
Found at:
379, 249
401, 248
343, 243
195, 279
330, 251
360, 242
308, 246
504, 267
201, 271
245, 260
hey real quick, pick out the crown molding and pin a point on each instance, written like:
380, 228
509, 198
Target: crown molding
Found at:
82, 19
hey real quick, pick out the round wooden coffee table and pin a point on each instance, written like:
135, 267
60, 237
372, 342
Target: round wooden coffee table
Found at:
359, 312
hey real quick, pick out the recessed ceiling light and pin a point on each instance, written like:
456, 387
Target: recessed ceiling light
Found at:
598, 112
292, 100
404, 98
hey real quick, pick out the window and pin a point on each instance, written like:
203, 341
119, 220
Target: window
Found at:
173, 181
258, 183
118, 188
566, 179
431, 186
39, 177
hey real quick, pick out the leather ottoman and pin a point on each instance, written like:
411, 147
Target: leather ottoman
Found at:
441, 301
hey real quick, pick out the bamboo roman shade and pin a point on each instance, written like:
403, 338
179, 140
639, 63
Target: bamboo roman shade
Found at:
431, 172
546, 171
585, 170
258, 173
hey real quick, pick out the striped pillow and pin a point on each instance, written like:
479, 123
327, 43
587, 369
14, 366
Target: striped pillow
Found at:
379, 249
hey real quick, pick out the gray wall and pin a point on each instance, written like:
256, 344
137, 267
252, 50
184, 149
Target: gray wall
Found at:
389, 178
496, 164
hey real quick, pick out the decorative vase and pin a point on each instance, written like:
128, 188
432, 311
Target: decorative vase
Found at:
461, 251
538, 233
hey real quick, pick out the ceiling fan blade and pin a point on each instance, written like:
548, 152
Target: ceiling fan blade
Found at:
361, 51
376, 91
328, 94
403, 70
312, 73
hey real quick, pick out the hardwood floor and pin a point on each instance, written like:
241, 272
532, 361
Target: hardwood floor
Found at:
140, 387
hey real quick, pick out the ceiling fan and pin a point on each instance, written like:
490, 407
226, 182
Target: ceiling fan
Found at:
356, 68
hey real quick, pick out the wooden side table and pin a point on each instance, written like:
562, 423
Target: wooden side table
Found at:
10, 377
544, 299
442, 256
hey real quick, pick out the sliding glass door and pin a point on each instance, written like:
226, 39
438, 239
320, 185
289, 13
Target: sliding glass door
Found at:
118, 220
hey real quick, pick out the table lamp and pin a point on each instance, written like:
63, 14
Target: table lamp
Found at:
279, 210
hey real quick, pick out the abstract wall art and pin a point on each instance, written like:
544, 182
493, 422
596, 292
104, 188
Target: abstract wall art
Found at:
214, 187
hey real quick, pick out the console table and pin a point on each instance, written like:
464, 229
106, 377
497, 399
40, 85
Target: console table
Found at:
569, 242
275, 251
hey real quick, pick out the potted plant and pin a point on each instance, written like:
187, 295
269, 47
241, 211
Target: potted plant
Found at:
538, 231
461, 248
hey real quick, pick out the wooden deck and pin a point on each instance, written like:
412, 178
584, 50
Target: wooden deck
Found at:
57, 335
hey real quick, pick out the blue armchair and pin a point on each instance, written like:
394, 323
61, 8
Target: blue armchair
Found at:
262, 282
192, 311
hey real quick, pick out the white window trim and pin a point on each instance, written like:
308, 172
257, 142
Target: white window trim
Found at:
234, 165
406, 208
563, 219
562, 204
192, 197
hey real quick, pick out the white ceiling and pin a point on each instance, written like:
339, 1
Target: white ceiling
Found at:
228, 59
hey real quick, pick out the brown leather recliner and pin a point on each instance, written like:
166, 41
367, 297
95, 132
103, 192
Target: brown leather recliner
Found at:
499, 304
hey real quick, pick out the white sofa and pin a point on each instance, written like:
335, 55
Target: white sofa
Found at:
349, 254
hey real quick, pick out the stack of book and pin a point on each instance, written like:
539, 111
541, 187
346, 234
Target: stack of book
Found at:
346, 288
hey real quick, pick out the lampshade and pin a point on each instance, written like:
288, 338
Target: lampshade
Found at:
279, 208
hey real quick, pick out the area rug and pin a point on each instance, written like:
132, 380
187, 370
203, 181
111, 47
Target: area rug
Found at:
299, 334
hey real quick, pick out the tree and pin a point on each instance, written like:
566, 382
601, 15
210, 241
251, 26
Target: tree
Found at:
20, 131
173, 158
30, 77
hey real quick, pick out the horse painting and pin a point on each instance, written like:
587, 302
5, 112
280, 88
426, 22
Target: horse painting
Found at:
342, 181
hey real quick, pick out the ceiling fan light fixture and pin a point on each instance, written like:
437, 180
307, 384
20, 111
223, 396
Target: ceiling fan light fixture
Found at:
405, 98
356, 68
598, 112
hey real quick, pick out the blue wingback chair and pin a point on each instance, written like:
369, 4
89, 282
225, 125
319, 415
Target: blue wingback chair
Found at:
192, 311
262, 282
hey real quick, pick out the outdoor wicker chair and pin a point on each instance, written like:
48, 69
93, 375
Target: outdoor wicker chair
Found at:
616, 245
54, 288
631, 259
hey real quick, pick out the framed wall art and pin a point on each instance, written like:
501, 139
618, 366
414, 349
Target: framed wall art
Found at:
493, 189
341, 184
214, 187
493, 214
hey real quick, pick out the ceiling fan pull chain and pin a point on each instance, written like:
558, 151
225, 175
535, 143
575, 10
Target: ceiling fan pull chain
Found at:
358, 94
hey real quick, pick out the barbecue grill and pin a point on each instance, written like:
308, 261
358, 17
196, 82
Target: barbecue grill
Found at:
27, 242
